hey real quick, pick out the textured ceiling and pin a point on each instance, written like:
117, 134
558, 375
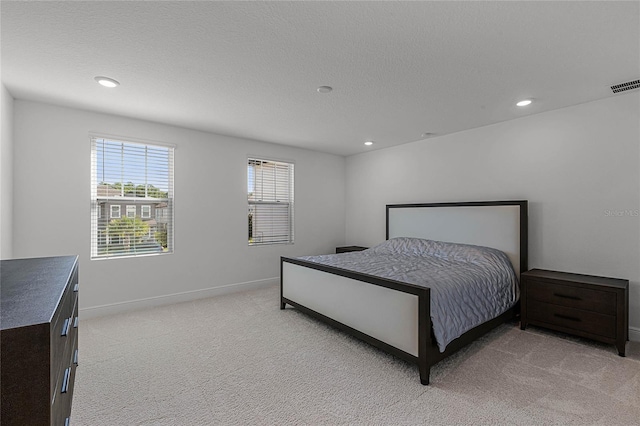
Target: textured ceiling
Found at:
251, 69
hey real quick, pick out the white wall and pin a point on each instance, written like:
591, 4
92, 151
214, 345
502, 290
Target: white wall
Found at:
52, 205
6, 173
577, 166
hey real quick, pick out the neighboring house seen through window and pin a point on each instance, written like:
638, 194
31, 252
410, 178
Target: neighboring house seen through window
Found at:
132, 181
270, 201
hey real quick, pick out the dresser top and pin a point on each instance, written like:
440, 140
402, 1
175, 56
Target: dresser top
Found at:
577, 278
31, 289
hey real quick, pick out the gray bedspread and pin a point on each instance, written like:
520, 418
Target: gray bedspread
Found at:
469, 284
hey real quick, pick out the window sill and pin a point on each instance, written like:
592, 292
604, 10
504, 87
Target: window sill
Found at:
129, 256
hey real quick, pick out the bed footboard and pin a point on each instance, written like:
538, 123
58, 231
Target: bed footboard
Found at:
388, 314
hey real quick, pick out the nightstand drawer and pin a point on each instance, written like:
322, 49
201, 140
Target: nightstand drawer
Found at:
603, 302
575, 319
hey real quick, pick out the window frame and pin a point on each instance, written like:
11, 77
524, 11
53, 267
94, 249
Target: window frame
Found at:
128, 210
253, 205
111, 215
142, 215
153, 152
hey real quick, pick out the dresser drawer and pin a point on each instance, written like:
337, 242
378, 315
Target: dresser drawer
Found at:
574, 319
70, 342
603, 302
61, 402
64, 311
62, 334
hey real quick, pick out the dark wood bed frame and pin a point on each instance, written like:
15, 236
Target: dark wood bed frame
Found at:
428, 352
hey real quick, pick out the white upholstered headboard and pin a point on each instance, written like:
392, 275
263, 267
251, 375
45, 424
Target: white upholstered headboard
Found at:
497, 224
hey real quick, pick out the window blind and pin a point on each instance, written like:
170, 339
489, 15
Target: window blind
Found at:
270, 197
131, 198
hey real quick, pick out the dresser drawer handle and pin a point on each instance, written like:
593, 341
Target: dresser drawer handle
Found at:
75, 323
65, 327
75, 288
75, 357
564, 296
65, 381
66, 421
567, 317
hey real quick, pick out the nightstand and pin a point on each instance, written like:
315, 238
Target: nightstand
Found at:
345, 249
582, 305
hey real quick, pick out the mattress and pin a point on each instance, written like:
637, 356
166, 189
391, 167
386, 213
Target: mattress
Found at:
469, 284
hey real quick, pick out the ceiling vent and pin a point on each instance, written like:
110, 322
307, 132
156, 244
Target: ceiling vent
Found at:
630, 85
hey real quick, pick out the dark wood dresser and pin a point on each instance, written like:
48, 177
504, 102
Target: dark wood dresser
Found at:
346, 249
583, 305
39, 339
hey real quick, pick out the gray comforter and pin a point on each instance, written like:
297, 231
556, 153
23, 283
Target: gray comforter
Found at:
469, 284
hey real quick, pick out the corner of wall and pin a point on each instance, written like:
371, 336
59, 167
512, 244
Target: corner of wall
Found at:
6, 173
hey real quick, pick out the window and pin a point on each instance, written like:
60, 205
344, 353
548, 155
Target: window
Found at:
130, 174
131, 211
145, 212
270, 197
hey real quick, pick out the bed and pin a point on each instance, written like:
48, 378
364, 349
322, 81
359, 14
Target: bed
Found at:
397, 315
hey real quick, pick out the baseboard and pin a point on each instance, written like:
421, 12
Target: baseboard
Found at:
634, 334
134, 305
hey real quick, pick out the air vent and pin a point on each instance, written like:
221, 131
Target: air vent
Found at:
630, 85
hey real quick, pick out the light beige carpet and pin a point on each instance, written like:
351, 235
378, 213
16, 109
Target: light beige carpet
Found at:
240, 360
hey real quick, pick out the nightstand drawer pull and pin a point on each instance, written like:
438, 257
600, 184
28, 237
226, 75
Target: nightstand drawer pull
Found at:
65, 381
567, 317
75, 323
75, 288
564, 296
65, 327
66, 421
75, 357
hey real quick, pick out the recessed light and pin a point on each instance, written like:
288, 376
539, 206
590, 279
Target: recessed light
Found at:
324, 89
107, 82
368, 143
524, 102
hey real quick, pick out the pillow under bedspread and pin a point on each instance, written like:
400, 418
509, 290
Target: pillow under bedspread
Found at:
469, 284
